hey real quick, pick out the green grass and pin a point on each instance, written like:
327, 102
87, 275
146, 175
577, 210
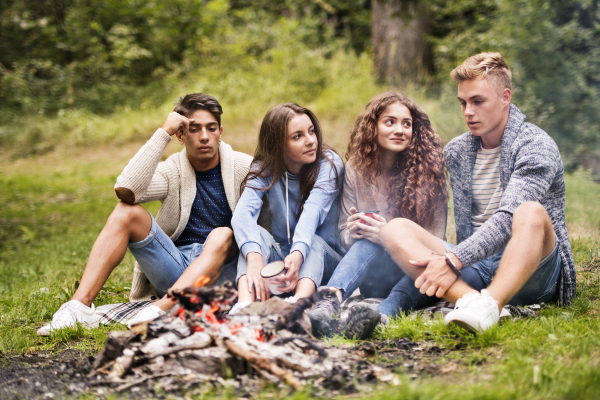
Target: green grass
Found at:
53, 205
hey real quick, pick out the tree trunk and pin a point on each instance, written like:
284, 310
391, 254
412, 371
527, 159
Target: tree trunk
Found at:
399, 28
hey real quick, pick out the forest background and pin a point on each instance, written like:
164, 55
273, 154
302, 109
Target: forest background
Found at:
84, 83
72, 60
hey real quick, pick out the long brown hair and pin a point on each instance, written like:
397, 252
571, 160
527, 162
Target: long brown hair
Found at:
272, 144
417, 186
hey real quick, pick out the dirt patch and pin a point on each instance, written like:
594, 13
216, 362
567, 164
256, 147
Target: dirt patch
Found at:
43, 376
64, 374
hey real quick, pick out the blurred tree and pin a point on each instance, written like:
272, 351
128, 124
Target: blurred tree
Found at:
399, 34
553, 49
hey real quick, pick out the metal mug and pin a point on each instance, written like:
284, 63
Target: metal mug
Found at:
271, 271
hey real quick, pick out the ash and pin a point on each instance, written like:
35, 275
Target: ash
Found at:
197, 342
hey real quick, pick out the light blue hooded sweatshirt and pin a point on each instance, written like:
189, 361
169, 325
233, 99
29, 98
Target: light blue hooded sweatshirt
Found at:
319, 216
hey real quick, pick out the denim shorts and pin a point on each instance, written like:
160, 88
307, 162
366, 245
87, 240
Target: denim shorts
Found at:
163, 262
542, 287
319, 265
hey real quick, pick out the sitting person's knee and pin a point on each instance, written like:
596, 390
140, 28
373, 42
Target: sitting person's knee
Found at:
531, 215
222, 235
395, 230
127, 214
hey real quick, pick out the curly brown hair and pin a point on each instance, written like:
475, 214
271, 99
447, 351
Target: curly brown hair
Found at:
418, 176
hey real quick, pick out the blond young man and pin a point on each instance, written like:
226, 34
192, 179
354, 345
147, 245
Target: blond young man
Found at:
191, 236
508, 186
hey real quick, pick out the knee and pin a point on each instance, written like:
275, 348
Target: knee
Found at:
126, 215
221, 235
395, 231
532, 216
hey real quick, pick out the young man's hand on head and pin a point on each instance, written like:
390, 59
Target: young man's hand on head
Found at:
176, 122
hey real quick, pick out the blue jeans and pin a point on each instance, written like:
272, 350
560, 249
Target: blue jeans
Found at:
163, 262
320, 262
368, 267
542, 287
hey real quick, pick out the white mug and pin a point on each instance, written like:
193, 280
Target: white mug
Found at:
270, 271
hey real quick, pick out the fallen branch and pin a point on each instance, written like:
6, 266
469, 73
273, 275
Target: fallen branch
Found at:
142, 380
262, 363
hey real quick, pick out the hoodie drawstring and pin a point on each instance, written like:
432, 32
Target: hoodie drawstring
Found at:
287, 207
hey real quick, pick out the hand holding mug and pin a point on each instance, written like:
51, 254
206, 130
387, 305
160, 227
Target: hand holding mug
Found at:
370, 224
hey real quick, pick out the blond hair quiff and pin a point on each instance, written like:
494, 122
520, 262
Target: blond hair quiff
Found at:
486, 65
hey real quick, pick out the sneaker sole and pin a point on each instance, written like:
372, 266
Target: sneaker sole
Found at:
361, 322
463, 325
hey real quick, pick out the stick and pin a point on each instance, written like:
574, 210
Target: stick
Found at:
142, 380
263, 363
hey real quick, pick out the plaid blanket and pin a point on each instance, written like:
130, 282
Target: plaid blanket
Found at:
120, 312
439, 309
123, 312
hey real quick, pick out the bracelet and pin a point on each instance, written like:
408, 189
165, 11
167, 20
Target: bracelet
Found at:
452, 266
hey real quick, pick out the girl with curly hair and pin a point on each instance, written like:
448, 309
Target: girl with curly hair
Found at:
297, 179
396, 168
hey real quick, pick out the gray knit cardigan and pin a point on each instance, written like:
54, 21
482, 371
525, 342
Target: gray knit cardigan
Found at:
531, 169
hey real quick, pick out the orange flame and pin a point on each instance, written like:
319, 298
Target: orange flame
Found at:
201, 281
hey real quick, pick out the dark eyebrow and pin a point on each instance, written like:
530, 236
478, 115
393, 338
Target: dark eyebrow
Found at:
293, 133
209, 124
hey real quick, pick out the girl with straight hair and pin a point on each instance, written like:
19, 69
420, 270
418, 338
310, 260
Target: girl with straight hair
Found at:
298, 179
395, 169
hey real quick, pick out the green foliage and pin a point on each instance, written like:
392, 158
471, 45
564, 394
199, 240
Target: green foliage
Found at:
99, 56
553, 49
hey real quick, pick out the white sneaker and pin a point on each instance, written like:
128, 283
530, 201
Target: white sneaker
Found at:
149, 313
475, 312
69, 314
238, 306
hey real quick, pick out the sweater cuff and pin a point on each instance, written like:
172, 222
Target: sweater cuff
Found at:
250, 247
161, 137
302, 248
466, 257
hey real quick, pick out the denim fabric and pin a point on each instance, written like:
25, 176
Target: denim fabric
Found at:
163, 262
369, 267
542, 287
319, 265
319, 215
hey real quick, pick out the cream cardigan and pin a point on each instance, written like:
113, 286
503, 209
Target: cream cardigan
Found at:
173, 183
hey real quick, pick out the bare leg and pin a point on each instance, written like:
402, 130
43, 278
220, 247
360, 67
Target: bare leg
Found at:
533, 239
243, 293
304, 288
218, 248
125, 224
404, 240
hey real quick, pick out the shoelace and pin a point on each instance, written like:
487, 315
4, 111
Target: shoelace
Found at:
466, 299
64, 314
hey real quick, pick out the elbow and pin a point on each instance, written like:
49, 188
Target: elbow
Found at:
125, 195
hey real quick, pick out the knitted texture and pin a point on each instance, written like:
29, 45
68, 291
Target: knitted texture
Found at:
173, 183
531, 169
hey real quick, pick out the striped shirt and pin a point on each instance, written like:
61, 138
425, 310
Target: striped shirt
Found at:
485, 186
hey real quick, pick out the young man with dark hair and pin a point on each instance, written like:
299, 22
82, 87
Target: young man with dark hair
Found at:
191, 236
508, 186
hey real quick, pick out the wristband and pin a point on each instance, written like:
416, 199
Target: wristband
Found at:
452, 266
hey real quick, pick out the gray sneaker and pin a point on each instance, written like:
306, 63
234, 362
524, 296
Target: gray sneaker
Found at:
322, 314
